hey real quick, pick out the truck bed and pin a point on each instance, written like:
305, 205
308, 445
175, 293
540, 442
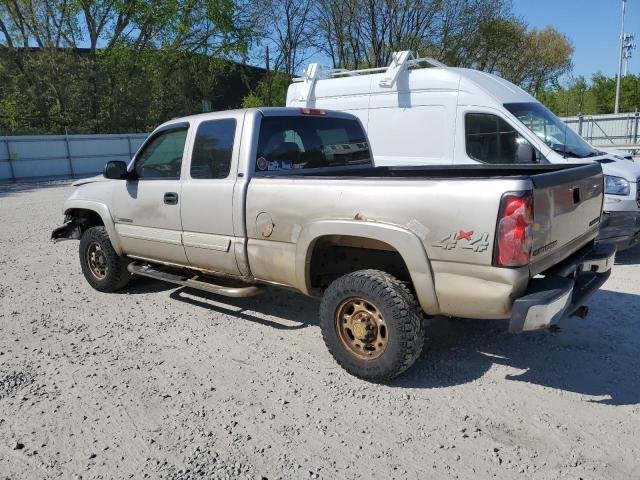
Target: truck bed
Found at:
441, 200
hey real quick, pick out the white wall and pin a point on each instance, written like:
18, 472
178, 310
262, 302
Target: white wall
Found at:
49, 156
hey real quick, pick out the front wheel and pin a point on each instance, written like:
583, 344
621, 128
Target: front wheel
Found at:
371, 325
103, 268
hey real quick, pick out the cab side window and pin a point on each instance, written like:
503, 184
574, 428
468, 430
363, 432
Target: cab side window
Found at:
490, 139
161, 158
212, 149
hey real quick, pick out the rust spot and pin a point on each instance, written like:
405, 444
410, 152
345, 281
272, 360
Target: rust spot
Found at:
359, 216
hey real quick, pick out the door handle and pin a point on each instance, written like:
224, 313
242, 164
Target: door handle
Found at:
171, 198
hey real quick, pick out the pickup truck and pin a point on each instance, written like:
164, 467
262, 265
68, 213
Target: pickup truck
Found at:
231, 202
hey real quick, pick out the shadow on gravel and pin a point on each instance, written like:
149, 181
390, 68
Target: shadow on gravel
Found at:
597, 356
8, 189
302, 311
629, 257
140, 285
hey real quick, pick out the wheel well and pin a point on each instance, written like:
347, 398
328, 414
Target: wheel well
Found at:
336, 255
85, 218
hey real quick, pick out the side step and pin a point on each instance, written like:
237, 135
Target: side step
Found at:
147, 270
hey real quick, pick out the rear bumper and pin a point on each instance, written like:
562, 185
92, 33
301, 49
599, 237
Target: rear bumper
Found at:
620, 228
563, 289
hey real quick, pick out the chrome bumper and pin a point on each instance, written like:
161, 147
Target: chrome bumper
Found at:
563, 289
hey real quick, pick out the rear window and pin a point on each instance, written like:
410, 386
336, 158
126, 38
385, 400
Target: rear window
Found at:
291, 143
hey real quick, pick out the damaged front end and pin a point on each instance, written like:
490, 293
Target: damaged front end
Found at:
69, 231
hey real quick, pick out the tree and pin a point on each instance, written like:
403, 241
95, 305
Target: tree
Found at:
96, 65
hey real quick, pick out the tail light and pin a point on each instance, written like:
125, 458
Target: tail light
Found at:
513, 234
312, 111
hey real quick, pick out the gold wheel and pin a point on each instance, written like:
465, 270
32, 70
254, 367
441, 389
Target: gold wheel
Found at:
361, 328
97, 261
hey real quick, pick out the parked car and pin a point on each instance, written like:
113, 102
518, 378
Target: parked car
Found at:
232, 201
441, 115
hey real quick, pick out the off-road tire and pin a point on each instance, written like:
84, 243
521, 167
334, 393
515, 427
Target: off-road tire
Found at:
401, 315
117, 276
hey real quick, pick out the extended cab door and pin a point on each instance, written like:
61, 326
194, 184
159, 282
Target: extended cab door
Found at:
146, 210
207, 195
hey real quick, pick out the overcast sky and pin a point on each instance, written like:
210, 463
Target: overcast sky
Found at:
593, 26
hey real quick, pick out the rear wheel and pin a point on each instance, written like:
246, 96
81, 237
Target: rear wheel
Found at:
102, 267
371, 324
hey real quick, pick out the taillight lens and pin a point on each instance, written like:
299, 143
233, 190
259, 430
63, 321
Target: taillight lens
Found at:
513, 235
312, 111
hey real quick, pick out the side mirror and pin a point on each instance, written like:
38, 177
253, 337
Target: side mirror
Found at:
526, 153
115, 170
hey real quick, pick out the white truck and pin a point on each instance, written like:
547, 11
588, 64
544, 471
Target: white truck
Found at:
440, 115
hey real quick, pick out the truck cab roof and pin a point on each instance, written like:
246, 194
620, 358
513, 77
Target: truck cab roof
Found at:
264, 111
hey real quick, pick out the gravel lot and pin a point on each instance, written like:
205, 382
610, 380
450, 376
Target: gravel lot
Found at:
163, 382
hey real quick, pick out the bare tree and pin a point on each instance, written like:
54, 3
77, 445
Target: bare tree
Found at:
286, 27
356, 33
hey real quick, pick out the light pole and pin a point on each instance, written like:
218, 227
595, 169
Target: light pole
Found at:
617, 106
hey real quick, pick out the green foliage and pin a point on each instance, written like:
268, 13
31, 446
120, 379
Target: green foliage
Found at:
119, 65
120, 91
594, 97
271, 91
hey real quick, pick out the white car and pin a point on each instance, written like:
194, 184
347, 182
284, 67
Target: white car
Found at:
441, 115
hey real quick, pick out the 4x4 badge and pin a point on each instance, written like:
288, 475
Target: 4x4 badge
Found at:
478, 242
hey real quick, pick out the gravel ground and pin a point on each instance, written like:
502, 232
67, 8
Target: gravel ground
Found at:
163, 382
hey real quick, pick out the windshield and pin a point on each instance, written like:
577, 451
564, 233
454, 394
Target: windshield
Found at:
551, 130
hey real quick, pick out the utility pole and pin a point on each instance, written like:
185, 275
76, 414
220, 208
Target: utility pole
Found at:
617, 106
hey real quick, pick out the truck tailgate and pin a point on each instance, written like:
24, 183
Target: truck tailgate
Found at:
567, 209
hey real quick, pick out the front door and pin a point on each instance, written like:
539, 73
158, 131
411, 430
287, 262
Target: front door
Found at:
146, 210
207, 197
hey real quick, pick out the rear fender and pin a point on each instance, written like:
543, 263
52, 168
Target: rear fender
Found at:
405, 242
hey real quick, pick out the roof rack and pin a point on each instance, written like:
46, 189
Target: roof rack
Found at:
399, 62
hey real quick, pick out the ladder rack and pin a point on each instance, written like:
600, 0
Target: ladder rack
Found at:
400, 61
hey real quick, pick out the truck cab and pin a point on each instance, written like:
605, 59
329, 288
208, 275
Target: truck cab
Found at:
420, 112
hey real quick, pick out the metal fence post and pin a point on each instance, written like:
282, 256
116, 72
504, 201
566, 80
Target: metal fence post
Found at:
635, 127
66, 142
580, 122
10, 160
129, 145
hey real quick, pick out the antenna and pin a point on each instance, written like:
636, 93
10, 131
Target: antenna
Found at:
617, 106
628, 46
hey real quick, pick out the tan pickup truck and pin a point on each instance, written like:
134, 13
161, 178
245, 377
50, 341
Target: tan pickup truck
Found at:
229, 202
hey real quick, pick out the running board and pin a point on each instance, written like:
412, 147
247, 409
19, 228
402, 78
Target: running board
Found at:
146, 270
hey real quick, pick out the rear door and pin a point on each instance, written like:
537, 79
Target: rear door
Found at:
567, 206
146, 210
207, 195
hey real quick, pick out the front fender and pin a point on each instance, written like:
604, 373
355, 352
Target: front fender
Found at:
102, 210
407, 243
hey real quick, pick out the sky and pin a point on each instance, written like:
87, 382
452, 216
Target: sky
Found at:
593, 26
